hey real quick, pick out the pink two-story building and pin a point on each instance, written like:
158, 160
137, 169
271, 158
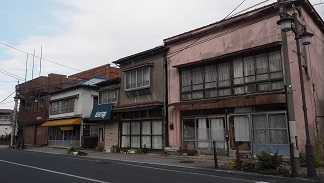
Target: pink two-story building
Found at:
226, 83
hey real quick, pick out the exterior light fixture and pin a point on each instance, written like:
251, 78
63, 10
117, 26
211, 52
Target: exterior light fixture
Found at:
285, 23
306, 37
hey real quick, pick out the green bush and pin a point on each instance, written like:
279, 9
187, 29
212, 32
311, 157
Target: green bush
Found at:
268, 161
72, 149
318, 155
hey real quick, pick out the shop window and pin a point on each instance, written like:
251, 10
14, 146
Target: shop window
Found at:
270, 129
140, 134
242, 128
199, 133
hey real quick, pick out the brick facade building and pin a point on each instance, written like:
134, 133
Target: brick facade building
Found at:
104, 71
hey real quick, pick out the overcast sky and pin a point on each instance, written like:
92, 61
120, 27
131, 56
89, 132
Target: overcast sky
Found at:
84, 34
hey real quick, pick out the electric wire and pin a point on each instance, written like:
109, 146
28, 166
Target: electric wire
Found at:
318, 4
12, 47
6, 102
250, 8
322, 7
10, 74
211, 30
7, 97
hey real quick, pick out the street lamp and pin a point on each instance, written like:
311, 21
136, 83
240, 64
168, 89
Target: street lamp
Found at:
288, 23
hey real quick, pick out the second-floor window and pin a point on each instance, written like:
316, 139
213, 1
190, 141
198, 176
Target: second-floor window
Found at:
260, 72
137, 79
62, 106
43, 102
29, 104
109, 96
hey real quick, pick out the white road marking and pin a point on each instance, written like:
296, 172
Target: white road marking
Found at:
51, 171
178, 171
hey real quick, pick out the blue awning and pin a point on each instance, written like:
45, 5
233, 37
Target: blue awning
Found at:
101, 112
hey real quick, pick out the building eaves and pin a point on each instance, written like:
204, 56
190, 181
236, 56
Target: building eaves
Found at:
215, 27
145, 53
6, 111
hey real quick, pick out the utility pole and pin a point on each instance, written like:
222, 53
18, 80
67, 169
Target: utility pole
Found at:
288, 23
13, 131
295, 161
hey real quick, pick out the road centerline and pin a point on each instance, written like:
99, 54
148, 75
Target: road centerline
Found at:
51, 171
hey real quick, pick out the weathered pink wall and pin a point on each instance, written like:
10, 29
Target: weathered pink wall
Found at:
245, 36
235, 39
313, 81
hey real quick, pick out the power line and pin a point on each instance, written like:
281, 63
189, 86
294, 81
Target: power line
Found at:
6, 102
7, 81
250, 7
7, 97
211, 30
318, 3
12, 47
10, 74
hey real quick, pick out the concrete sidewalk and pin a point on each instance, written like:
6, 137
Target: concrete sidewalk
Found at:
201, 161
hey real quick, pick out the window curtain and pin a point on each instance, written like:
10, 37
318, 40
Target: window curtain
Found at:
197, 78
262, 67
185, 80
135, 134
157, 142
146, 79
260, 129
157, 127
202, 130
146, 134
278, 129
224, 77
133, 79
125, 134
105, 97
146, 128
139, 78
217, 131
157, 134
249, 70
128, 80
210, 76
275, 65
238, 71
126, 128
241, 128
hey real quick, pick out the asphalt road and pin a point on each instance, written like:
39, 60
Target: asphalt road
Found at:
24, 166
